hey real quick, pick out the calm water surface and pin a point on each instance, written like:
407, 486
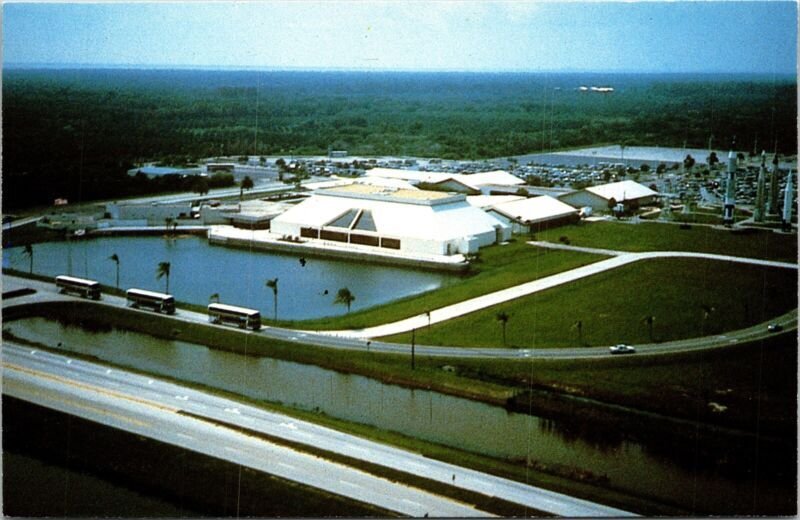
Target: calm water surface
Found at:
199, 270
640, 468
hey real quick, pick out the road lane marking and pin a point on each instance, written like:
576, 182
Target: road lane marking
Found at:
407, 501
287, 466
75, 404
346, 483
290, 426
97, 389
233, 410
182, 397
189, 437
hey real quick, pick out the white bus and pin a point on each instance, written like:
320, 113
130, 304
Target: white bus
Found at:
159, 302
244, 318
81, 286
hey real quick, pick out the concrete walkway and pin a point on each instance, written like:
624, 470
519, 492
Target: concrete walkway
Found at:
667, 254
619, 259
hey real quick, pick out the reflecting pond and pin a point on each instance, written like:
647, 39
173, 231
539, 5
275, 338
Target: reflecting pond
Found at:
198, 270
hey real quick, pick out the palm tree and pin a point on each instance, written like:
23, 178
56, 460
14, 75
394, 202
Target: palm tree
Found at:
344, 296
28, 251
115, 258
214, 298
503, 317
273, 284
162, 271
649, 320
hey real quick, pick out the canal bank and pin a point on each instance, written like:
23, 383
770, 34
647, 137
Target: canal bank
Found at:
582, 449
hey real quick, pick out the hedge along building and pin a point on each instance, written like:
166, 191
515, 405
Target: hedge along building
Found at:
412, 222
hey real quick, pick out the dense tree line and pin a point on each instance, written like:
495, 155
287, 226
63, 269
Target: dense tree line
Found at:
74, 133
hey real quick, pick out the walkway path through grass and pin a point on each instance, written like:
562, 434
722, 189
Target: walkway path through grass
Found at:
488, 300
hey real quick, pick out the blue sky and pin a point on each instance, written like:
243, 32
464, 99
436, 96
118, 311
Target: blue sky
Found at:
440, 35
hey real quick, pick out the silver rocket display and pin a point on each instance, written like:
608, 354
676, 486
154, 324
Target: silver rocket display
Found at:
759, 211
772, 204
788, 205
730, 190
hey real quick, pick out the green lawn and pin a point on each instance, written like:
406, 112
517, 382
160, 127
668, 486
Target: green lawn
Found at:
654, 236
500, 266
611, 307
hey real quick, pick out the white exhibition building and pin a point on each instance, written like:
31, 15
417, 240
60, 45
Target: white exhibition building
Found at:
408, 221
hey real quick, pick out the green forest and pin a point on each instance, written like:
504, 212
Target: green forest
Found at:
75, 133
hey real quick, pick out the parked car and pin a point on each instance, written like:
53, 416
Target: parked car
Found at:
622, 349
775, 327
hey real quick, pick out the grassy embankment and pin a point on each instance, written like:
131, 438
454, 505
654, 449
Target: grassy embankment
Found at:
686, 297
653, 236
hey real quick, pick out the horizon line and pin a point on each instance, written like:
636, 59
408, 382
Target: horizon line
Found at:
268, 68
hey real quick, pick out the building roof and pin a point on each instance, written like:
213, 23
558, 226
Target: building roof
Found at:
389, 194
386, 182
450, 218
159, 170
499, 177
535, 209
483, 201
623, 190
474, 180
407, 175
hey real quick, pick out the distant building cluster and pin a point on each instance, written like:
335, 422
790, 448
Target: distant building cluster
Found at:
440, 211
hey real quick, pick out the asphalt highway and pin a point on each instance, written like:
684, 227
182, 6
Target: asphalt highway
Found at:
150, 407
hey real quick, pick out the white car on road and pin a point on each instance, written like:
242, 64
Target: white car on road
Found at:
622, 349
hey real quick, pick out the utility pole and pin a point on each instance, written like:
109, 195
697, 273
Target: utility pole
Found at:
413, 341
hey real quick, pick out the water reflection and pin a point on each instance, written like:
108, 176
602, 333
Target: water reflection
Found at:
670, 473
199, 270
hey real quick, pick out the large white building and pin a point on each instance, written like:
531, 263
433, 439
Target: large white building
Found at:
387, 218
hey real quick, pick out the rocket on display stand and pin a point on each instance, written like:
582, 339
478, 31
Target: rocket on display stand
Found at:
759, 212
788, 200
772, 203
730, 191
